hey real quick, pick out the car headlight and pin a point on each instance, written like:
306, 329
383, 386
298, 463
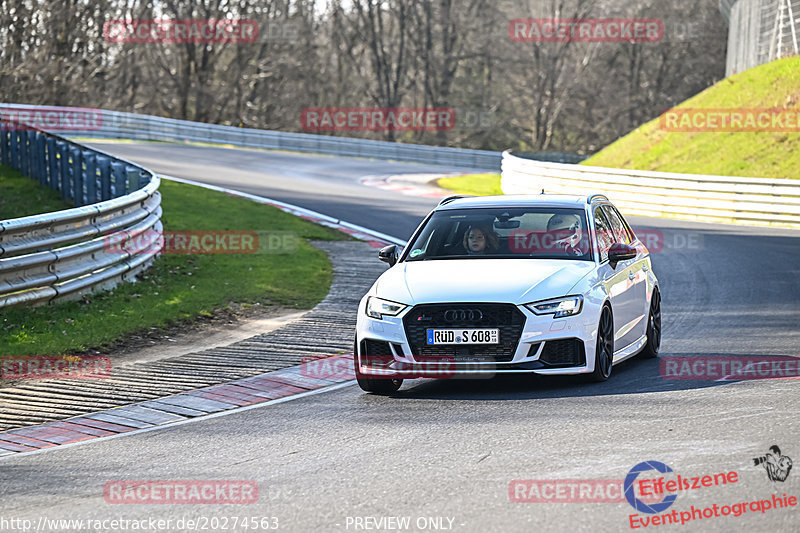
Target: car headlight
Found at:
558, 307
378, 308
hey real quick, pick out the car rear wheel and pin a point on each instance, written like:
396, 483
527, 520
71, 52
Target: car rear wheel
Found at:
373, 385
604, 353
653, 344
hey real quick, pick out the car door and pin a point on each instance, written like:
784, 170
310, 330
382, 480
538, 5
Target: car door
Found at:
615, 281
636, 275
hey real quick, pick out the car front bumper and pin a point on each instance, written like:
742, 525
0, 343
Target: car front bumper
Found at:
383, 349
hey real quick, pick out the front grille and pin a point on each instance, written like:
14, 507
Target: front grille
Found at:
566, 352
506, 317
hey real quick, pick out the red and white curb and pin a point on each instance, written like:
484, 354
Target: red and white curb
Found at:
311, 377
410, 184
320, 375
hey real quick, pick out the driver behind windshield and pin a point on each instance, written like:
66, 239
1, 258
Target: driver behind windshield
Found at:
567, 229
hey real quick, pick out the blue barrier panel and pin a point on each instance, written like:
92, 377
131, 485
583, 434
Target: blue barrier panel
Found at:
105, 177
24, 154
90, 160
77, 176
5, 152
33, 159
52, 163
118, 183
41, 158
63, 167
131, 179
14, 150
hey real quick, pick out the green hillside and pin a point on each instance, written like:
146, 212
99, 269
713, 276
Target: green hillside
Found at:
757, 154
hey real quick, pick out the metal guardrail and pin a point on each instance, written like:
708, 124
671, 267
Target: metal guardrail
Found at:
65, 254
119, 125
727, 199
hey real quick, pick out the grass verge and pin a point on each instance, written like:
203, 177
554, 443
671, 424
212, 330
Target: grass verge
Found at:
180, 288
762, 154
21, 196
476, 184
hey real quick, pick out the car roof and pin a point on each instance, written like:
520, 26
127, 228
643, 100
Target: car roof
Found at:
519, 200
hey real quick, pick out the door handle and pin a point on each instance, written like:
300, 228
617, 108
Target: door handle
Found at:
645, 268
631, 275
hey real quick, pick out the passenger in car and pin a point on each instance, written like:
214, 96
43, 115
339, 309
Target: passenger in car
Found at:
480, 240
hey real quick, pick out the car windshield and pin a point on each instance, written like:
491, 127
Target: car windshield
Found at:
514, 233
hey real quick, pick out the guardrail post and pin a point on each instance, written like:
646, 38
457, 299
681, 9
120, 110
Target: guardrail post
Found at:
63, 168
52, 162
90, 160
105, 178
77, 177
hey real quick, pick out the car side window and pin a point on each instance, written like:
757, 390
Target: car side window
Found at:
617, 225
605, 235
627, 226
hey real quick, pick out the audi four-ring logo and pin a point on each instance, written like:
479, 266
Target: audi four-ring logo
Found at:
463, 315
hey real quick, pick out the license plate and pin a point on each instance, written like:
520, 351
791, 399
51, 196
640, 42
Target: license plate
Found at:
464, 336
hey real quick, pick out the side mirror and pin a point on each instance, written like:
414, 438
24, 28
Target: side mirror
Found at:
388, 254
620, 252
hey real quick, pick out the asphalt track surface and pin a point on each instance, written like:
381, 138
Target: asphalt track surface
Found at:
444, 453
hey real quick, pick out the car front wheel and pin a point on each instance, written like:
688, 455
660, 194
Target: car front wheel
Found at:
604, 353
650, 350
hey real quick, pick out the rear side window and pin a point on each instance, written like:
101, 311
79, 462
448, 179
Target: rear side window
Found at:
621, 233
605, 234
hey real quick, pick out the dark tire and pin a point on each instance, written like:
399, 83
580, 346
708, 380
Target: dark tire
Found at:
653, 344
375, 386
604, 353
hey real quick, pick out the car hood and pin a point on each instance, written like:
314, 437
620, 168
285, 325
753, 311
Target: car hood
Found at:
480, 280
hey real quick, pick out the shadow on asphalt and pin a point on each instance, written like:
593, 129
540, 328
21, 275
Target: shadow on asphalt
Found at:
634, 376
